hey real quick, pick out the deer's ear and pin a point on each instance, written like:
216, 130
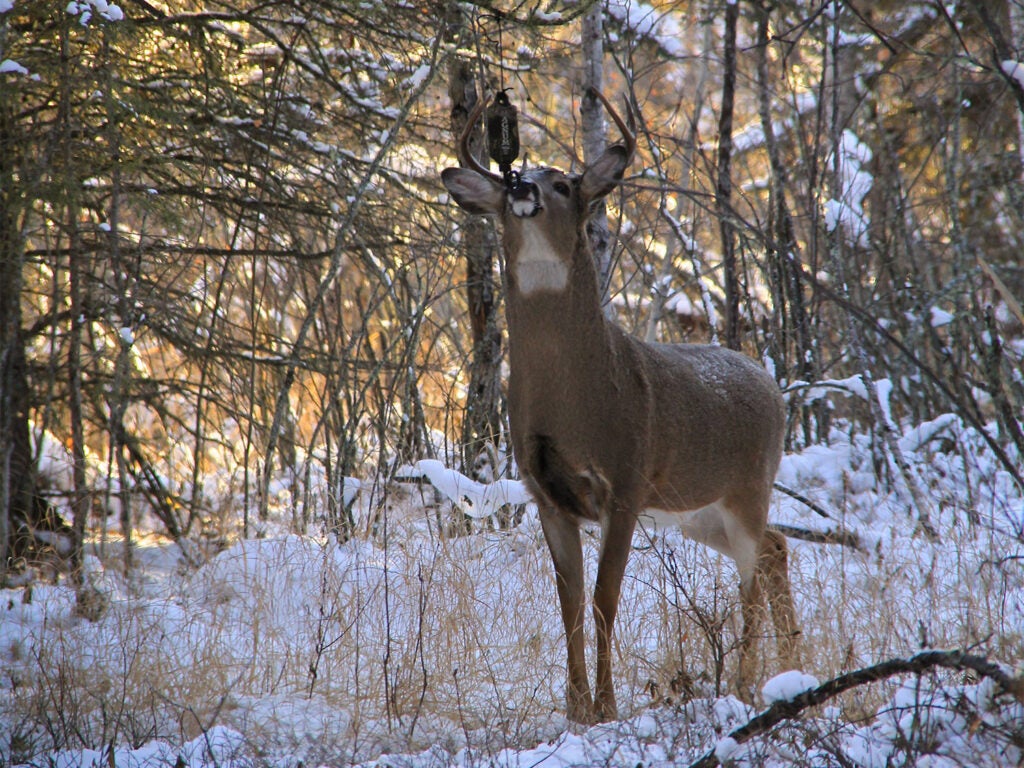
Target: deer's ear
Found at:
476, 193
603, 176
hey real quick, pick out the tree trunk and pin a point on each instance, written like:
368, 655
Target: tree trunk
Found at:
481, 425
791, 332
843, 247
723, 185
594, 139
16, 491
684, 191
123, 277
76, 272
12, 385
1016, 33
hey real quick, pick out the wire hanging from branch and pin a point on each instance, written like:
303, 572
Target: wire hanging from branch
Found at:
502, 120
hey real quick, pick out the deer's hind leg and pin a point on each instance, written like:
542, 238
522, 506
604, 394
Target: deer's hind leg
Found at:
766, 574
773, 566
731, 526
752, 608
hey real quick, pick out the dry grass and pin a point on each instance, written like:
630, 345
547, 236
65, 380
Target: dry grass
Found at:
337, 652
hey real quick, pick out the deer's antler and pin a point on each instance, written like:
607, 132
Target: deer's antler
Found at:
628, 136
466, 156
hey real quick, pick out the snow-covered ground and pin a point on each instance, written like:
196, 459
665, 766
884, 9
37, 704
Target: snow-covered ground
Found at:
408, 648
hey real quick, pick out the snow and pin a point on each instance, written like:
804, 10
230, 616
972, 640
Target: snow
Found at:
883, 392
680, 303
84, 9
417, 78
847, 210
752, 136
726, 749
649, 23
916, 438
415, 649
8, 65
477, 500
546, 16
788, 686
1014, 69
219, 746
853, 385
939, 317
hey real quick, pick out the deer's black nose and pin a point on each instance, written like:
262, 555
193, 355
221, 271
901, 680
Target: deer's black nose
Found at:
524, 199
523, 190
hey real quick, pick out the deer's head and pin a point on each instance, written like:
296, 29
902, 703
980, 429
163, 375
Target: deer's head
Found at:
544, 210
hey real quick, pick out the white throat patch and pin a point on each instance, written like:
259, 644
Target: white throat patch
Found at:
537, 266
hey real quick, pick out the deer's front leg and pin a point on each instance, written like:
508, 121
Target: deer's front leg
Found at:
616, 542
563, 538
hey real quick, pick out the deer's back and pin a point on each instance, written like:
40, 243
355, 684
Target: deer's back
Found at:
716, 422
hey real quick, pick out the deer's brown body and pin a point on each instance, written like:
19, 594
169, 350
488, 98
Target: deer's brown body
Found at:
606, 428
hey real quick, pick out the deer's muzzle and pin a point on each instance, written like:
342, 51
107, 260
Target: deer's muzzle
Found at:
524, 199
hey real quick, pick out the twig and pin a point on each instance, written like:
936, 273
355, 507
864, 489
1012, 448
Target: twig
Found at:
837, 536
803, 500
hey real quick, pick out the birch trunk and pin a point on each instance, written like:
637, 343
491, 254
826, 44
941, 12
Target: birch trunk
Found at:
594, 140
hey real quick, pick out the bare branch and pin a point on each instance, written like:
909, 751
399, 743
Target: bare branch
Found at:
781, 711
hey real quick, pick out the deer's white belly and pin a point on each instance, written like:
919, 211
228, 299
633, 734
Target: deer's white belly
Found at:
713, 525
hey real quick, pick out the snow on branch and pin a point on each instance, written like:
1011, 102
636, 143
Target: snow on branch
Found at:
1014, 69
855, 182
9, 65
647, 22
85, 10
476, 500
788, 707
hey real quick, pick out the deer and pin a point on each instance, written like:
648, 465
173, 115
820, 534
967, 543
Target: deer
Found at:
608, 429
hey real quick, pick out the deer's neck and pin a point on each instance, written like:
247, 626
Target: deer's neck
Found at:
535, 265
555, 323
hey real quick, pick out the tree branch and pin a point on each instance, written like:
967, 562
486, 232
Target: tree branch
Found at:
789, 709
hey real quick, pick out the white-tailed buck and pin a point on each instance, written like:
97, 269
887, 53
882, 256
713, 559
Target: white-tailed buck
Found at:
607, 429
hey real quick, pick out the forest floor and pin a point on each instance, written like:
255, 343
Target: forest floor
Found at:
405, 647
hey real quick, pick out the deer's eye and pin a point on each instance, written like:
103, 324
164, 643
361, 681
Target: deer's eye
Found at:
562, 188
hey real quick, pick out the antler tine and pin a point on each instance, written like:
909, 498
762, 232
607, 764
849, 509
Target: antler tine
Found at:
628, 136
465, 155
